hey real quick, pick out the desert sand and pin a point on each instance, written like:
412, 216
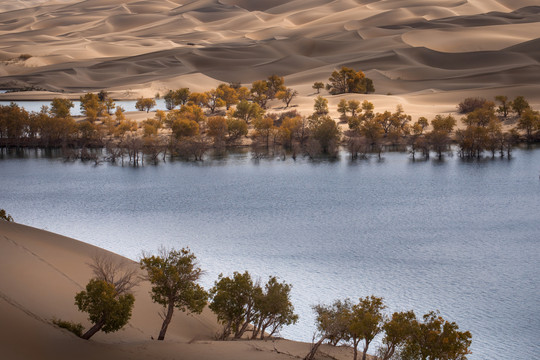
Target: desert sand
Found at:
424, 54
40, 273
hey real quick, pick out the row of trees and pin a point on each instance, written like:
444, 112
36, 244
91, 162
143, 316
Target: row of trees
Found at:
227, 95
505, 108
189, 132
403, 335
243, 305
240, 303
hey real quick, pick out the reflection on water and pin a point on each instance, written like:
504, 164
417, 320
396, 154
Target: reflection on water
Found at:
461, 237
36, 105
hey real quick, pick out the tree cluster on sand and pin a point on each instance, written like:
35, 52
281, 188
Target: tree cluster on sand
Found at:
241, 304
403, 335
231, 115
248, 309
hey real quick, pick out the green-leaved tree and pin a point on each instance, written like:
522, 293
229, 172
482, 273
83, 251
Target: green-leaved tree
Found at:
174, 275
108, 310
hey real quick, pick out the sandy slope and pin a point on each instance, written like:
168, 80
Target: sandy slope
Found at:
40, 272
451, 48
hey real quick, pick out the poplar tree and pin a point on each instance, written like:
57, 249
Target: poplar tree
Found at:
174, 275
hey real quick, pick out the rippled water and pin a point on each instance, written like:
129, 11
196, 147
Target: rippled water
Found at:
461, 237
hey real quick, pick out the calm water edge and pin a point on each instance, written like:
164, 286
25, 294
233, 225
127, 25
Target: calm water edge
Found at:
461, 237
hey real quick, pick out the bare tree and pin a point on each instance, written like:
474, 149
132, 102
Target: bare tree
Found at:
120, 273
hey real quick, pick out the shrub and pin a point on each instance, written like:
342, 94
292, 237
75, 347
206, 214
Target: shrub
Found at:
5, 216
470, 104
73, 327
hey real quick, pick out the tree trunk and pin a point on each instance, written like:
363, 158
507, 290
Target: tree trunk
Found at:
314, 349
242, 330
94, 329
355, 348
166, 321
364, 355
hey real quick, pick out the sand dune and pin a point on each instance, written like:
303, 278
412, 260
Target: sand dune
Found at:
40, 273
148, 45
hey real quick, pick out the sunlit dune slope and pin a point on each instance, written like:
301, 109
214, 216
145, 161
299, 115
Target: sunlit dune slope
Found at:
406, 46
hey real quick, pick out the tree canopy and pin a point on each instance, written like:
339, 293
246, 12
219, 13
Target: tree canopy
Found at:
348, 80
174, 275
108, 310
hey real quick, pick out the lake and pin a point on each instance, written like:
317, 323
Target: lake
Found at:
461, 237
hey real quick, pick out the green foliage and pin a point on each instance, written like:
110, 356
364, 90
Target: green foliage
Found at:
529, 122
174, 275
75, 328
236, 128
439, 137
273, 308
107, 310
5, 216
248, 111
326, 132
333, 320
398, 330
519, 104
443, 123
181, 96
404, 337
233, 301
347, 80
91, 106
320, 107
436, 339
275, 84
343, 108
259, 92
372, 130
504, 108
481, 116
318, 86
365, 322
170, 100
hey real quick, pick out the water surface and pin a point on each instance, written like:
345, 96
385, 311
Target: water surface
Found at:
461, 237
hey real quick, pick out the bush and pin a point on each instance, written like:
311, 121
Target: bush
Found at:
470, 104
75, 328
5, 216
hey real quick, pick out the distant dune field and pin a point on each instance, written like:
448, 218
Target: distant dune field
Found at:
423, 53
